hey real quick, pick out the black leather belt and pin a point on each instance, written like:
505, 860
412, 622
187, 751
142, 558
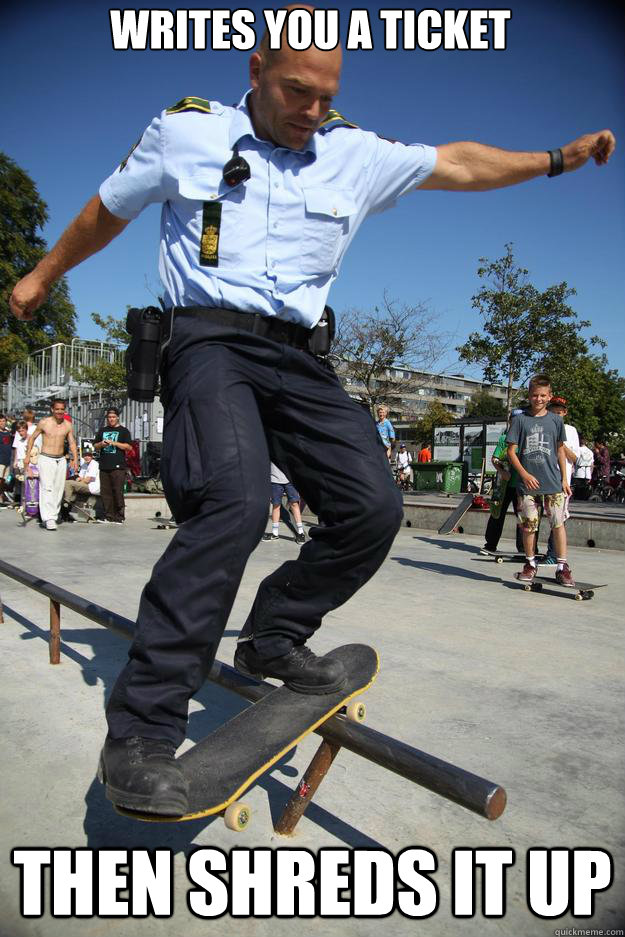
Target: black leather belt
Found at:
287, 333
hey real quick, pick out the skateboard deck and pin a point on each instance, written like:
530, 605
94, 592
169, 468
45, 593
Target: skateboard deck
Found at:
580, 591
227, 762
456, 515
85, 513
164, 523
503, 556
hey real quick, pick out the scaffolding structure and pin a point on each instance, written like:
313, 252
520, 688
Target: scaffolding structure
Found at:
53, 372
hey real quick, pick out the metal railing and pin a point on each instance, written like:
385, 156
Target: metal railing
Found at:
475, 793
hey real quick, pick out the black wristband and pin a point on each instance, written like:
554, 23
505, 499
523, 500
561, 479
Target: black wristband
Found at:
557, 162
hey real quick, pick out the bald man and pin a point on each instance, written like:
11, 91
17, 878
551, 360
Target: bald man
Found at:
260, 202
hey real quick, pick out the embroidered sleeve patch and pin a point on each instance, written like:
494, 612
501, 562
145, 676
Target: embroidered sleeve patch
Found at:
190, 104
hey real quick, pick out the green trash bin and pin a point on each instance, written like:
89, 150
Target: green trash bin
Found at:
438, 476
452, 477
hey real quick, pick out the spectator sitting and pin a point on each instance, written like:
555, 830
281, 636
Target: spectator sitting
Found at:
86, 484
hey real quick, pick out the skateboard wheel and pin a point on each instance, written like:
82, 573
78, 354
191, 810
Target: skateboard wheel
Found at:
579, 596
356, 711
237, 817
499, 559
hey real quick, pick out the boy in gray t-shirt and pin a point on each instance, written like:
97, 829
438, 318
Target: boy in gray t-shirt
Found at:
535, 449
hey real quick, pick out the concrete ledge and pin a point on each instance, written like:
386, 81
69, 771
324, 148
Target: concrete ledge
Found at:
606, 533
140, 505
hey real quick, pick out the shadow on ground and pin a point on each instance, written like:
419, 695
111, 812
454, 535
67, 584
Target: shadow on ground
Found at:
104, 828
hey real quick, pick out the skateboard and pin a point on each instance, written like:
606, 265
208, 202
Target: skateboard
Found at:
226, 763
503, 556
88, 516
580, 591
457, 514
163, 523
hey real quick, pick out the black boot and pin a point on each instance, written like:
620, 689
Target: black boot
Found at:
143, 775
300, 669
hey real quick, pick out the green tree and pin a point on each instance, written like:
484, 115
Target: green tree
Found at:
521, 324
483, 406
595, 393
22, 214
108, 376
394, 337
435, 415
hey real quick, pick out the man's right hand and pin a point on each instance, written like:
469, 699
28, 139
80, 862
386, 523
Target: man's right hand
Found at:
530, 482
28, 295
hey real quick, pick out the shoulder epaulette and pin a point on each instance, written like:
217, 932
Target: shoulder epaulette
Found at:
190, 104
334, 119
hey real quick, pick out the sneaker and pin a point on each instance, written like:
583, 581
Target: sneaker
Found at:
564, 577
267, 537
50, 525
300, 538
115, 522
300, 669
527, 574
549, 561
143, 774
102, 520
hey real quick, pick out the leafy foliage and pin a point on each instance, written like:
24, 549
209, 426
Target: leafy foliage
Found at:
595, 394
395, 336
483, 406
435, 415
108, 376
521, 323
22, 214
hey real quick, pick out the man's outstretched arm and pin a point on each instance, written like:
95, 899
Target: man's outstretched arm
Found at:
88, 233
474, 167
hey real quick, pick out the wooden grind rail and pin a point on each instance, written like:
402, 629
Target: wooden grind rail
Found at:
471, 791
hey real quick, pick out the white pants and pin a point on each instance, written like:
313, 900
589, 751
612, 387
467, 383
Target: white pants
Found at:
52, 474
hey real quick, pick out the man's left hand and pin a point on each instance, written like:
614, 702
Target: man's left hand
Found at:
599, 146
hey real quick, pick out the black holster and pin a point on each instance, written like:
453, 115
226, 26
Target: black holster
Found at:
143, 355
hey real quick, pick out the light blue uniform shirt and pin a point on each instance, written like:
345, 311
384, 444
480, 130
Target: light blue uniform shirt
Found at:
284, 231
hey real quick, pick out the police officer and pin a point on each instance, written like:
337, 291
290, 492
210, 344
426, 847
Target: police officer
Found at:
260, 202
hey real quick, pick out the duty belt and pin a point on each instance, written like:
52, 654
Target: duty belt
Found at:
277, 330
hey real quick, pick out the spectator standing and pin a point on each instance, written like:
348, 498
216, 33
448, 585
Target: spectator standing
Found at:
28, 417
507, 481
6, 446
280, 486
112, 442
582, 472
55, 432
558, 406
385, 429
425, 454
404, 461
602, 461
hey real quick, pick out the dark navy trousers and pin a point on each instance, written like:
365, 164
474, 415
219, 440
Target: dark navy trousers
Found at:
233, 401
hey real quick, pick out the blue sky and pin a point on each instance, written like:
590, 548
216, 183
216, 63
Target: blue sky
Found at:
73, 106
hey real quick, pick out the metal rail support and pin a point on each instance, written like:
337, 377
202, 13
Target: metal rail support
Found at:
464, 788
55, 632
307, 788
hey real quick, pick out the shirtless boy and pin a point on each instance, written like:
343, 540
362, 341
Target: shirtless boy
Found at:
52, 465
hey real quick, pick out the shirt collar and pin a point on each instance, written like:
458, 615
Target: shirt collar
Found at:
242, 126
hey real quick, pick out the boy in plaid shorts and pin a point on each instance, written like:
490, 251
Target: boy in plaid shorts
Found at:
536, 450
